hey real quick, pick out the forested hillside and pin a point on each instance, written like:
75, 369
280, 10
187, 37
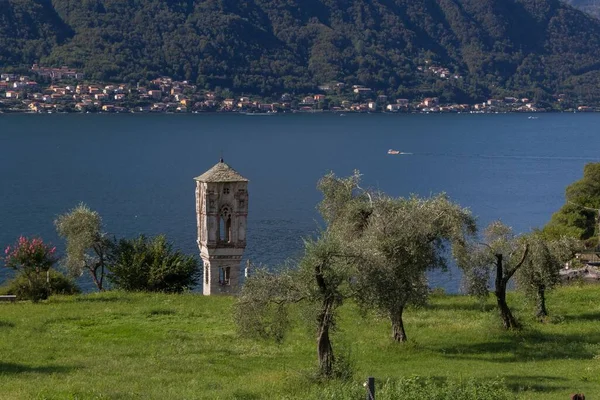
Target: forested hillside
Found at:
590, 6
29, 30
533, 48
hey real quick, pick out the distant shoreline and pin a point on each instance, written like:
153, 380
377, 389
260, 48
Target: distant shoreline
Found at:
533, 115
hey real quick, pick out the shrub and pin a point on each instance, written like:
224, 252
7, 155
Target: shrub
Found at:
58, 284
344, 364
151, 265
32, 259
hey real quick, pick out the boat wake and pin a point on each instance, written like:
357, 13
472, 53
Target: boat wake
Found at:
510, 156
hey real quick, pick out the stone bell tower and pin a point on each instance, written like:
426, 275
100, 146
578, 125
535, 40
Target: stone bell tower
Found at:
221, 213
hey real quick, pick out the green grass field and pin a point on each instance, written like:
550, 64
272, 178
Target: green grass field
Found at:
151, 346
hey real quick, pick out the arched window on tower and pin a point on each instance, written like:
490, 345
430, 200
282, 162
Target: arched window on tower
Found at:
225, 225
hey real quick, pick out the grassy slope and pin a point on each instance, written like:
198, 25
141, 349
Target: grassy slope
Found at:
122, 346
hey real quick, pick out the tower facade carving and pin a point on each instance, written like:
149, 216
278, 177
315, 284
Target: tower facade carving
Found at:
222, 213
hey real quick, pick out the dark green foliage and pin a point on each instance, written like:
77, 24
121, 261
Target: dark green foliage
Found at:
151, 265
24, 290
29, 30
578, 218
532, 48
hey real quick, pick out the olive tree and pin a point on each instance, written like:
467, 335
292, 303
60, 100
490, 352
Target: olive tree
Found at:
320, 283
322, 279
403, 239
502, 254
88, 247
541, 270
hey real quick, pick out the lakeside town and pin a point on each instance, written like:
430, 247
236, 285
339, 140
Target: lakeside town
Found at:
48, 90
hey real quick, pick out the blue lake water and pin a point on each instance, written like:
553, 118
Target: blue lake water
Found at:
137, 170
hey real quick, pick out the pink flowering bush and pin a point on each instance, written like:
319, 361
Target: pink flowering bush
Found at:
33, 258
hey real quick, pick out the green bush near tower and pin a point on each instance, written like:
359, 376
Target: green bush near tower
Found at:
58, 284
151, 265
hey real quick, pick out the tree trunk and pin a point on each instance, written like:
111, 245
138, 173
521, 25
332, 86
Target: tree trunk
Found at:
398, 333
324, 348
94, 275
102, 264
508, 321
99, 282
102, 278
542, 312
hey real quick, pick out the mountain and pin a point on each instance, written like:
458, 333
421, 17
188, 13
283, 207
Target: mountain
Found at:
535, 48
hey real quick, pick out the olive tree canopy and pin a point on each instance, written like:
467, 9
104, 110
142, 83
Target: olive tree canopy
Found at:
541, 270
87, 244
501, 254
403, 239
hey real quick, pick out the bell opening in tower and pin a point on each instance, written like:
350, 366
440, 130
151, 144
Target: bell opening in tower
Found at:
222, 230
228, 229
225, 225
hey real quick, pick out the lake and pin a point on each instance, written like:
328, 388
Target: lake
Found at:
137, 170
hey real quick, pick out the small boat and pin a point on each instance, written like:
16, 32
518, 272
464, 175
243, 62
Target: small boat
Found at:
398, 152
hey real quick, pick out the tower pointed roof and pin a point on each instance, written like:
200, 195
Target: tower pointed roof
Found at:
221, 172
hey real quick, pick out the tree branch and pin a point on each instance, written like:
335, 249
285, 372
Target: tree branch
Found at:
511, 272
367, 193
486, 245
320, 280
286, 301
584, 207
